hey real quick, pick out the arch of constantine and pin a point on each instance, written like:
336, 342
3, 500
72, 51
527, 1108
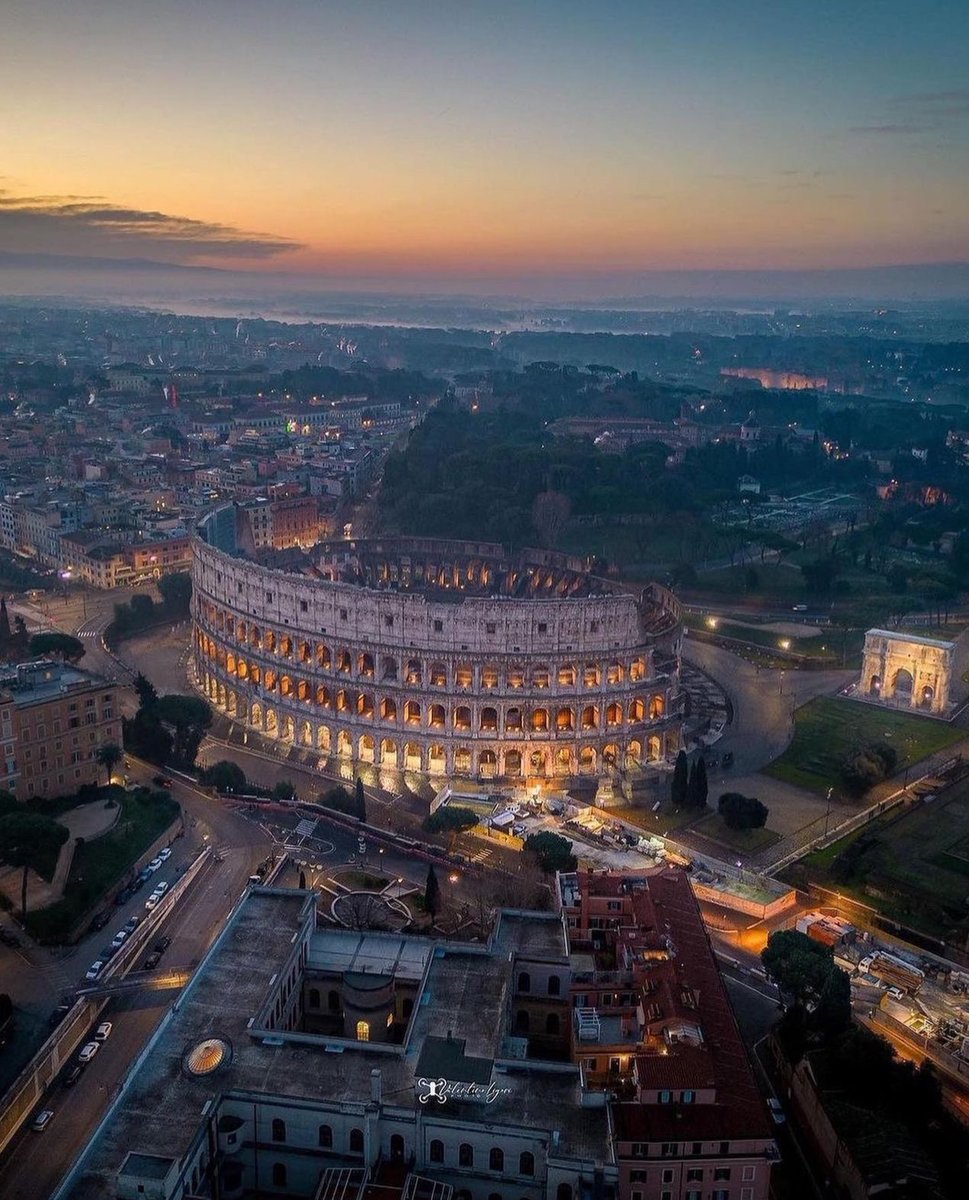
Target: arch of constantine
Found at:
907, 671
442, 658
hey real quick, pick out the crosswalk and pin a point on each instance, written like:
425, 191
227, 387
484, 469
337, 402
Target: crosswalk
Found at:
481, 856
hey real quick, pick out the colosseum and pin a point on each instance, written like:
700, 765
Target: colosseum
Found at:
448, 659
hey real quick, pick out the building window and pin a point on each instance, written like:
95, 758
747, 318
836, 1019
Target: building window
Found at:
749, 1173
438, 626
436, 1151
694, 1175
564, 1192
356, 1141
363, 1031
496, 1159
303, 606
687, 1097
746, 1194
543, 628
465, 1155
720, 1194
279, 1175
693, 1195
724, 1148
666, 1196
721, 1173
524, 981
554, 985
666, 1097
343, 614
670, 1149
388, 621
668, 1175
490, 627
279, 1130
526, 1163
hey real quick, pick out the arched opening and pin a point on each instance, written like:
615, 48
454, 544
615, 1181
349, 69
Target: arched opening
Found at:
657, 707
365, 665
564, 1192
344, 744
271, 723
554, 985
590, 717
521, 1021
303, 690
396, 1148
279, 1175
269, 642
563, 761
634, 754
438, 716
412, 757
927, 696
567, 675
614, 714
489, 720
615, 673
278, 1130
489, 677
412, 712
365, 705
496, 1159
333, 1000
436, 760
344, 662
413, 673
462, 760
343, 702
255, 715
513, 762
539, 720
654, 749
438, 675
874, 685
487, 764
305, 652
388, 753
516, 677
243, 669
286, 647
540, 677
323, 697
435, 1151
326, 1137
637, 709
902, 684
388, 709
552, 1024
363, 1031
388, 669
513, 720
270, 679
565, 720
591, 675
314, 1000
637, 670
366, 750
323, 738
538, 763
462, 717
323, 656
230, 663
524, 981
285, 685
526, 1163
610, 755
356, 1143
463, 675
587, 761
465, 1155
305, 733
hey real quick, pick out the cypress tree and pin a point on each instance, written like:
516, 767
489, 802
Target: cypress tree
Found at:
700, 787
360, 806
678, 787
432, 892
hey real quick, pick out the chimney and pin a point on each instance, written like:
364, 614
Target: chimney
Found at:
375, 1086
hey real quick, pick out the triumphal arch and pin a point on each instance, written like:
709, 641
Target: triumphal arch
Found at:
907, 671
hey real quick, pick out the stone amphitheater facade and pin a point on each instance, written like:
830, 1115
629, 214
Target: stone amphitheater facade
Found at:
449, 659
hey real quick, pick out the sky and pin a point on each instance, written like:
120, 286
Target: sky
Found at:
457, 144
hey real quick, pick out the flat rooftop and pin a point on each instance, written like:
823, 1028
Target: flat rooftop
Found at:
36, 682
464, 993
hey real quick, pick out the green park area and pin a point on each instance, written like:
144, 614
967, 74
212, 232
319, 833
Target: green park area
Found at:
912, 865
99, 864
738, 841
826, 730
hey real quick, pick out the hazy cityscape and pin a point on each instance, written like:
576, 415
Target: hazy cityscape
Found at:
484, 602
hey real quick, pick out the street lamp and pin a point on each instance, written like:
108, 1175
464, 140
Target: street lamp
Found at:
827, 812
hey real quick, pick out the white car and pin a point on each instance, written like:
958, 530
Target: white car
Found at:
94, 970
119, 939
165, 854
154, 865
89, 1052
103, 1031
160, 890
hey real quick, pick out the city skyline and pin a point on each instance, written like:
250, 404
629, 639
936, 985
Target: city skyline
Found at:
552, 148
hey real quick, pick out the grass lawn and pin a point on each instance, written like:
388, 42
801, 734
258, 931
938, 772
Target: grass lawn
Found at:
744, 841
663, 820
912, 865
825, 730
100, 863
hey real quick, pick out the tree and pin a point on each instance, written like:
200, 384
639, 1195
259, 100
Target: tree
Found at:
146, 691
302, 881
832, 1013
742, 812
680, 782
145, 736
284, 789
360, 801
188, 717
553, 852
432, 893
71, 649
867, 765
176, 592
698, 787
340, 800
224, 776
797, 964
452, 820
27, 838
142, 609
108, 756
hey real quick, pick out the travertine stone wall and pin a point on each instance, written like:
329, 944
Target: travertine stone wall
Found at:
907, 671
442, 658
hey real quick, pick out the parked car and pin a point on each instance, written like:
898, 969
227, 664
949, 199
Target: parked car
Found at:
94, 970
124, 895
58, 1015
73, 1075
42, 1120
165, 854
101, 920
103, 1031
88, 1052
152, 960
132, 925
155, 865
162, 944
776, 1112
106, 953
119, 939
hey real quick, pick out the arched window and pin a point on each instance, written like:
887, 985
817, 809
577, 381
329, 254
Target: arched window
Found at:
526, 1163
466, 1155
552, 1023
363, 1031
326, 1137
489, 719
279, 1130
554, 985
314, 997
496, 1159
356, 1141
435, 1152
564, 1192
279, 1175
524, 981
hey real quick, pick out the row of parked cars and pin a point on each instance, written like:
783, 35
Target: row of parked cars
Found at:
143, 876
85, 1055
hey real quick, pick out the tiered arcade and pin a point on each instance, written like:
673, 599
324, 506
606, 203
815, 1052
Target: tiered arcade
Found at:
444, 658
